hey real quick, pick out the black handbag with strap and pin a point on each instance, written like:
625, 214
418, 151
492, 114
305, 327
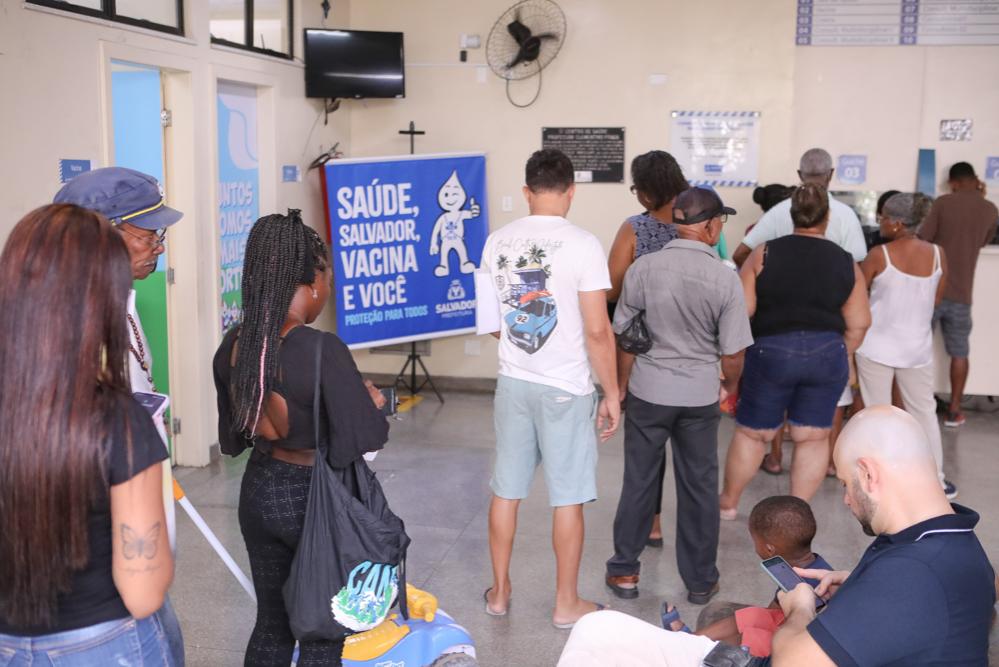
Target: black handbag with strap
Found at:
349, 568
635, 338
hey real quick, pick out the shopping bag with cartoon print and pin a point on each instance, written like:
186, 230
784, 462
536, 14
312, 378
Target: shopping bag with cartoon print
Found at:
349, 566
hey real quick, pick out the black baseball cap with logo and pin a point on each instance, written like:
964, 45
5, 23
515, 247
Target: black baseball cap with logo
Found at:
121, 195
697, 204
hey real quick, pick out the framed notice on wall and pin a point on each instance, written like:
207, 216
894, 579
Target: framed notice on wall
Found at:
717, 148
597, 153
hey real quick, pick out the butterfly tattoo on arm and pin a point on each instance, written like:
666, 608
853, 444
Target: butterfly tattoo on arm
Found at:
136, 546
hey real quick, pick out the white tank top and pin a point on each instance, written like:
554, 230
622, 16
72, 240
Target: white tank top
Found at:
901, 333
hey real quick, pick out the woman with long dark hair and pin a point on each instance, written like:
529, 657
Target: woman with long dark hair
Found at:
265, 377
84, 559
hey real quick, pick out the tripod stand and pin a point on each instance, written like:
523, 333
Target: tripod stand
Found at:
414, 357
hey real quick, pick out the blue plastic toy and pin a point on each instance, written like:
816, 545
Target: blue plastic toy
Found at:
430, 638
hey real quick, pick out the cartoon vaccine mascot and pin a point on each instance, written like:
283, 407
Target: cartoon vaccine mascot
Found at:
449, 231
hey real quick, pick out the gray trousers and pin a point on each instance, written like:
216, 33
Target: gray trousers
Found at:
693, 434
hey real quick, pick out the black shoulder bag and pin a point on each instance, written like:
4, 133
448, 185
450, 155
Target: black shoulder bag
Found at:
635, 338
350, 565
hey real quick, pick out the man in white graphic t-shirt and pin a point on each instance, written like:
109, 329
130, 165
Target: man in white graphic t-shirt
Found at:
551, 278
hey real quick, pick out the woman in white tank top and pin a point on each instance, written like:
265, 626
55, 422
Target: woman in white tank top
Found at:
906, 277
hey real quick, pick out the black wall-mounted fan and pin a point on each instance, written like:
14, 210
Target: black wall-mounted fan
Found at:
524, 40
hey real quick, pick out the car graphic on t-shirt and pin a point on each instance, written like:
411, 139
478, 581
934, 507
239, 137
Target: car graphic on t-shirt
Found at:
531, 323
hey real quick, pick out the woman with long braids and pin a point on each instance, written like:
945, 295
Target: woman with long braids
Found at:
84, 558
264, 376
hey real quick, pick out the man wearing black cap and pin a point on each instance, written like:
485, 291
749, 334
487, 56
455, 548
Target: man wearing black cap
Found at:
696, 315
134, 204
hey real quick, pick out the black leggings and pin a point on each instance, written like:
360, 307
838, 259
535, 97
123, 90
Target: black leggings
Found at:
272, 504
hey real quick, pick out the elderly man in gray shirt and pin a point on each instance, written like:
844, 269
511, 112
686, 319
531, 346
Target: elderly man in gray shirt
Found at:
696, 316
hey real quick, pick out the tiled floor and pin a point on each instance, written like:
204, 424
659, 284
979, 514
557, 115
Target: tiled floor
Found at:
435, 471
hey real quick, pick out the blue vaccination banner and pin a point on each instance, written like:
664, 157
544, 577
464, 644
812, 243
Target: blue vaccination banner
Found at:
407, 234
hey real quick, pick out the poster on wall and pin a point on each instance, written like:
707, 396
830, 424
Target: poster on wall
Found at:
717, 148
407, 235
238, 189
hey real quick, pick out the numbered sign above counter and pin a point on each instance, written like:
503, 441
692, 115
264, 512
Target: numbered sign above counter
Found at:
851, 169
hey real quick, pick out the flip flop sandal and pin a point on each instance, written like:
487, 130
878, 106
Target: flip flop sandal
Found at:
568, 626
667, 618
485, 598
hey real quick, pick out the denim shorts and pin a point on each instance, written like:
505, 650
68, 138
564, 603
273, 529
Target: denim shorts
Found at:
536, 423
802, 373
955, 324
126, 642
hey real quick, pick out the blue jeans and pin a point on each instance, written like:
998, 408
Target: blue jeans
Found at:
802, 373
171, 628
122, 643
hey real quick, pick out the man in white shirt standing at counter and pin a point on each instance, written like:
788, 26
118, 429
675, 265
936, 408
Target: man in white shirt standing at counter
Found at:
133, 202
844, 229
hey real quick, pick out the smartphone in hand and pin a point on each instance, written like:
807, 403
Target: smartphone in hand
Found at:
155, 404
784, 575
391, 407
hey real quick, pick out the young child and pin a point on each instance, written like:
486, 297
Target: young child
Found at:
779, 526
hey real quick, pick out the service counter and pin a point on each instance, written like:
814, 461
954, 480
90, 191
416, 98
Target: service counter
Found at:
983, 379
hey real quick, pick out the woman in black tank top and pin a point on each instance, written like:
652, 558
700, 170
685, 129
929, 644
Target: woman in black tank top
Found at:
809, 310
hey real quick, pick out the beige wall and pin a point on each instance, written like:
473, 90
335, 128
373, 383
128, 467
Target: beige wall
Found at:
54, 86
888, 102
600, 78
718, 55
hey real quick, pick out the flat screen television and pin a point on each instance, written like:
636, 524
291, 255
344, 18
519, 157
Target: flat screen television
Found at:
353, 63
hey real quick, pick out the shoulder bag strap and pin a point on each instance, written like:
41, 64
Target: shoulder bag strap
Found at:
315, 396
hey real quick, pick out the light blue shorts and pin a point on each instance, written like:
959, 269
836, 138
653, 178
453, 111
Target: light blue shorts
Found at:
536, 423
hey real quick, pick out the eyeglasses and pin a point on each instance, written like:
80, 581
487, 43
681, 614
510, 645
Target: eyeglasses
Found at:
723, 218
157, 240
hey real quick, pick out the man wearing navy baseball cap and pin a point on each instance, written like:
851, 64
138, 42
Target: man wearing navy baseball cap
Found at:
134, 204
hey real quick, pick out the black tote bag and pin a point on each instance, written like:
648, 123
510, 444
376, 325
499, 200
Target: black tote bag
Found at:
350, 564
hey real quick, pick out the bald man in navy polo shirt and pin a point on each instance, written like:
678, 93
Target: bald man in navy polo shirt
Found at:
924, 591
922, 594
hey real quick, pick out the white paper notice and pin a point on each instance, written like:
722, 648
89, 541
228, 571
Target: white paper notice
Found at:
487, 306
717, 148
